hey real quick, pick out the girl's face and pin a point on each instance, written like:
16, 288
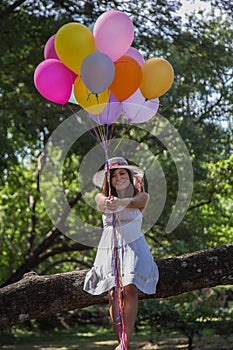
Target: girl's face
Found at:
120, 179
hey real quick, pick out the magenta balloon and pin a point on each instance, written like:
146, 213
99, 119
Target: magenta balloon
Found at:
53, 80
134, 53
49, 49
97, 72
110, 114
49, 52
138, 110
113, 33
73, 74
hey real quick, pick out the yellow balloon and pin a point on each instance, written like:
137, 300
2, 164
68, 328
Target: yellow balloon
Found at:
73, 43
92, 103
157, 77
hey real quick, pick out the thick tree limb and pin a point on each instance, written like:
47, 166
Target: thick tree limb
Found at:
40, 296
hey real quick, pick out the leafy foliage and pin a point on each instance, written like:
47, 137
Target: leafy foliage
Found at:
189, 314
199, 105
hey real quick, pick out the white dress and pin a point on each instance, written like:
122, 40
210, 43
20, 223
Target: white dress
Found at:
137, 265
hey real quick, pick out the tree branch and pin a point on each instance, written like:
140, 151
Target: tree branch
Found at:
200, 204
63, 249
10, 9
64, 291
68, 260
35, 257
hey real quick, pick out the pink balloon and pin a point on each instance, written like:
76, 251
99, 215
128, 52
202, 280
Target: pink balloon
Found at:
134, 53
113, 33
49, 52
110, 113
53, 80
49, 49
73, 74
138, 110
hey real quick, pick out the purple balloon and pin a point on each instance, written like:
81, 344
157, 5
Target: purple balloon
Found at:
53, 80
134, 53
110, 114
49, 49
97, 72
138, 110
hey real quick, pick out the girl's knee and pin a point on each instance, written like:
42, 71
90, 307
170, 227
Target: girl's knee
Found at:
131, 291
111, 295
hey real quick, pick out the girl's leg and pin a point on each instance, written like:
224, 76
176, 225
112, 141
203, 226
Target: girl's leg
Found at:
130, 310
112, 311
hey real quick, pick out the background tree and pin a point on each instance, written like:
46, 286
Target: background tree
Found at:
199, 105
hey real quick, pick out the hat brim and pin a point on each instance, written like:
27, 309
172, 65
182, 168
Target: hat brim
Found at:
98, 178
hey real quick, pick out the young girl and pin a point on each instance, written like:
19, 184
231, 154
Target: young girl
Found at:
122, 215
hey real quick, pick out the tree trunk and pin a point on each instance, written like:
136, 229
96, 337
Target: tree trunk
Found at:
40, 296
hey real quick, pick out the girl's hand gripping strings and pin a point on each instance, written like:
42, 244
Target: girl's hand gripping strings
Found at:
115, 204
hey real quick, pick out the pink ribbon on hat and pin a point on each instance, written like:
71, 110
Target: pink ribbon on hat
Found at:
115, 164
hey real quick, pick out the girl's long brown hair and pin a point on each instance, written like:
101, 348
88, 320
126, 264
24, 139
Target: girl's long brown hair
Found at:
130, 191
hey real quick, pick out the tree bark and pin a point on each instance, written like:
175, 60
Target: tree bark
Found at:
40, 296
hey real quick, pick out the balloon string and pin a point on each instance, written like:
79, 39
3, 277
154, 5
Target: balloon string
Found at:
141, 107
123, 61
105, 132
102, 135
119, 289
92, 93
97, 134
101, 131
84, 124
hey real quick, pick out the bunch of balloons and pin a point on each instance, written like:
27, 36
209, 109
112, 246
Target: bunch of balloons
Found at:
101, 68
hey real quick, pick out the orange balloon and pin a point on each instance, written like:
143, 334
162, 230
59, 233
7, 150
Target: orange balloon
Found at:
92, 103
157, 77
128, 75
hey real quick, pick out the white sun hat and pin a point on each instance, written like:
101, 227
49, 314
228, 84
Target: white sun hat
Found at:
115, 163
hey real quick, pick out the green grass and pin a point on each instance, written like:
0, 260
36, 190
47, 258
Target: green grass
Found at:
100, 338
